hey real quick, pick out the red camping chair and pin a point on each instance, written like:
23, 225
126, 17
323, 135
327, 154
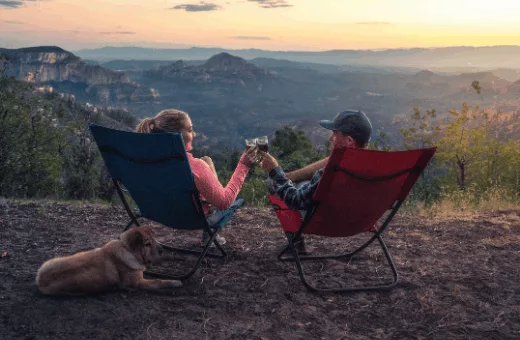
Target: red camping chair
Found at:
357, 187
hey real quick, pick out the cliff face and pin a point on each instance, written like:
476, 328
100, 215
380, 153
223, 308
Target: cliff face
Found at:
514, 87
55, 65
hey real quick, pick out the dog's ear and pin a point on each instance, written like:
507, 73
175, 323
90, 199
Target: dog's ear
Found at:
132, 238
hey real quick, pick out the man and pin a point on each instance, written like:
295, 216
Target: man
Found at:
350, 129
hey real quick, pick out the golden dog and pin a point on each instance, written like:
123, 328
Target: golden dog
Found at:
119, 263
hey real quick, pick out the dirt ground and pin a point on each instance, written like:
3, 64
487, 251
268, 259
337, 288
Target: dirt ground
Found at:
459, 279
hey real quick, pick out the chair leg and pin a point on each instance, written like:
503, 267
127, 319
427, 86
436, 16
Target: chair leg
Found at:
311, 287
195, 252
323, 257
201, 254
132, 222
184, 250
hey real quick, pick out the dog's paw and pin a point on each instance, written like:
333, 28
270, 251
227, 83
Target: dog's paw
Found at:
175, 283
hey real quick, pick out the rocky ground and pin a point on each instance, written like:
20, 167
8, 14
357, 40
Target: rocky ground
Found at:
459, 279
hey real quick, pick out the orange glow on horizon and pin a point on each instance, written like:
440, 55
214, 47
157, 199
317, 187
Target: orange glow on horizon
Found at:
307, 25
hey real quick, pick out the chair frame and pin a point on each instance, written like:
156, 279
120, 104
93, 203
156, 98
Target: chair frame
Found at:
293, 239
196, 200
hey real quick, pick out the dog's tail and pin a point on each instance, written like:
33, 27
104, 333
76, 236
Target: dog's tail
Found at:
44, 277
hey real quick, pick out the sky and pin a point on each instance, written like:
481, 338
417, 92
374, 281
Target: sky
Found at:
264, 24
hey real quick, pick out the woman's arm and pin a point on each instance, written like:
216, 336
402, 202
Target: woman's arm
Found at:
210, 188
306, 173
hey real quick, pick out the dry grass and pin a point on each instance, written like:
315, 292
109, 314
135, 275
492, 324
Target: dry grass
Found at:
468, 204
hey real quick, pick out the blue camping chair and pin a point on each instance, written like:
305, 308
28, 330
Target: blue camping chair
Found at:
153, 169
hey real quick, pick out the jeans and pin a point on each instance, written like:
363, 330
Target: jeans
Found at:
217, 216
298, 185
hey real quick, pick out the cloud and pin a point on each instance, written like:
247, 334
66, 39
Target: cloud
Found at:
14, 22
14, 3
124, 33
200, 7
245, 37
11, 3
373, 23
272, 3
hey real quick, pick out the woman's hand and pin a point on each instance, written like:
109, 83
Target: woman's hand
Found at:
207, 159
249, 157
268, 162
209, 162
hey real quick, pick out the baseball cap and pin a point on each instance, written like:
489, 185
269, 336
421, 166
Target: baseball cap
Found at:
354, 123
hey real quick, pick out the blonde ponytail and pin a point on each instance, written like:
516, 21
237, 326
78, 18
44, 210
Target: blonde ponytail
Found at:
169, 120
145, 126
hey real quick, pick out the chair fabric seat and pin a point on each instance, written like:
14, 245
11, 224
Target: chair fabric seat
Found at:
348, 204
155, 170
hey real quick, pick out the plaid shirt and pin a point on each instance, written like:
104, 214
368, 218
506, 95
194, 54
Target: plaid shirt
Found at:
295, 197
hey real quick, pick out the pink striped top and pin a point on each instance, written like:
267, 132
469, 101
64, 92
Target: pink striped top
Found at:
209, 186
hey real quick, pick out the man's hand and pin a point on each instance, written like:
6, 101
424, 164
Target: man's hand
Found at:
268, 162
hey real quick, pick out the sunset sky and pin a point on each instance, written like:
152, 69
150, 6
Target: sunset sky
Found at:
265, 24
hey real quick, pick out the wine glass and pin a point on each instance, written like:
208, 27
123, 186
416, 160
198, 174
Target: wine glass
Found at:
250, 143
263, 143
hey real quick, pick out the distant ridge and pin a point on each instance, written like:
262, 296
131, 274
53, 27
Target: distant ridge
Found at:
507, 56
36, 49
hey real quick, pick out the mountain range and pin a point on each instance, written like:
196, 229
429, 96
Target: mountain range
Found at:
230, 98
445, 57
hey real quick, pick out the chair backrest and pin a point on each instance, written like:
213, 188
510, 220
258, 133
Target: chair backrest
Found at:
154, 168
357, 187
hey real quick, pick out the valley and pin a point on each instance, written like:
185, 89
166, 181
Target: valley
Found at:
230, 98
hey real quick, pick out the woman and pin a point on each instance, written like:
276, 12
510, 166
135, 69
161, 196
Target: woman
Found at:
204, 173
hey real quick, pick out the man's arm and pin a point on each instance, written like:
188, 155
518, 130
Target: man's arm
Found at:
306, 173
295, 198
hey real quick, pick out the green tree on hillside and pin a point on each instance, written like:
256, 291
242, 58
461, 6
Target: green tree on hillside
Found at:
472, 155
293, 149
29, 162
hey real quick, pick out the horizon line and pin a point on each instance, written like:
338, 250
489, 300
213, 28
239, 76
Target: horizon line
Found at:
376, 49
268, 50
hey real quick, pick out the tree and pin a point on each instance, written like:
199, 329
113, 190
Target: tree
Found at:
472, 151
382, 142
287, 141
29, 163
82, 164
